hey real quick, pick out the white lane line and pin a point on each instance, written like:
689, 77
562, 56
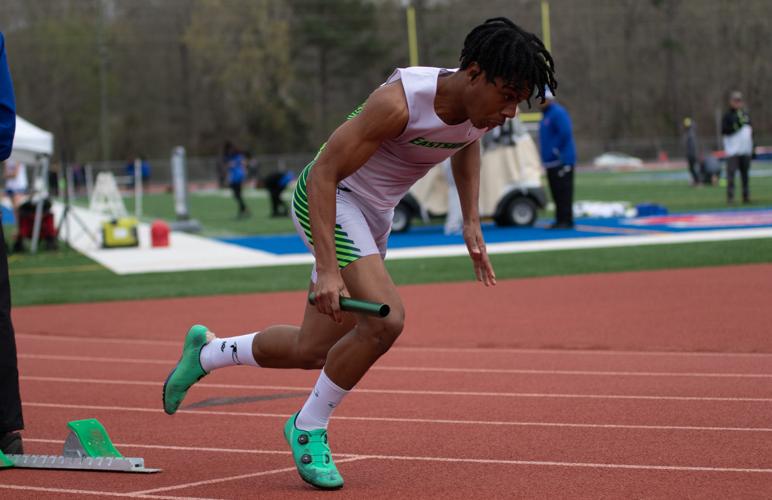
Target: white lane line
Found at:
519, 371
415, 420
305, 390
232, 478
348, 456
514, 371
571, 352
461, 350
102, 340
571, 464
25, 487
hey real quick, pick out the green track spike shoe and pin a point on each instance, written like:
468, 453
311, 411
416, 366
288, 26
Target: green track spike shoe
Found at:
312, 456
188, 370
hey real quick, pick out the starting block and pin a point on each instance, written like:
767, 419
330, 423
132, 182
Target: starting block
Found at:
87, 447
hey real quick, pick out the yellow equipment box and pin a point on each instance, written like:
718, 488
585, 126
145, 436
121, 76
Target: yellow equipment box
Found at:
120, 233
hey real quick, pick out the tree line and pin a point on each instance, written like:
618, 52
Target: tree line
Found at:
118, 78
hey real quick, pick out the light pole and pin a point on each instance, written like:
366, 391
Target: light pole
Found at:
412, 36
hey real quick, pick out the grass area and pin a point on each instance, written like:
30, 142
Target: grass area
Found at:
216, 210
669, 188
68, 277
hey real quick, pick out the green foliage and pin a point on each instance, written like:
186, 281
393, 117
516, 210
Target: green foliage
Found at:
240, 51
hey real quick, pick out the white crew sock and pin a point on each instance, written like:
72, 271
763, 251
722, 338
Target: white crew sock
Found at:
228, 352
320, 404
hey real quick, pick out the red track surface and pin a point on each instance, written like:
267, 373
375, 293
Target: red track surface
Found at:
632, 385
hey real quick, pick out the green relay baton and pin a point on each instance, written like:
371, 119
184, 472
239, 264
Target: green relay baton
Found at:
359, 306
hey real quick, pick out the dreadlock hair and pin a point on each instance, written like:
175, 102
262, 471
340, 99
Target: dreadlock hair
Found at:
503, 49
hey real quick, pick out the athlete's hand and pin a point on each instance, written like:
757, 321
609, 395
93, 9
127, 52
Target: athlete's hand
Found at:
328, 289
483, 269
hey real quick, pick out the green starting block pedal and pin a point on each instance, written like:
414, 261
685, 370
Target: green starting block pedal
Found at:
87, 447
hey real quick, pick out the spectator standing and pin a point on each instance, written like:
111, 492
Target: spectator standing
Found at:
275, 183
738, 145
11, 419
144, 171
558, 154
237, 172
690, 145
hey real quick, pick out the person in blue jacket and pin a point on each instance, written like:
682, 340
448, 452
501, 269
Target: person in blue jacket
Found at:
558, 154
237, 172
10, 399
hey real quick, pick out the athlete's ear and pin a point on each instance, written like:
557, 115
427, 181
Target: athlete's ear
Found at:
474, 70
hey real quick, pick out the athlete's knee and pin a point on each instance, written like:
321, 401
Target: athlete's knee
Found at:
310, 356
383, 332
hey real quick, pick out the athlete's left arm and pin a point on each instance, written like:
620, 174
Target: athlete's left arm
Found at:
466, 173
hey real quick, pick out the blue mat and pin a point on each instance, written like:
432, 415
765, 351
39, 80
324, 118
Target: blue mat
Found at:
428, 236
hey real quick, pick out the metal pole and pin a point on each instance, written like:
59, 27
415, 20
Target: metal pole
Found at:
42, 195
412, 36
88, 173
545, 24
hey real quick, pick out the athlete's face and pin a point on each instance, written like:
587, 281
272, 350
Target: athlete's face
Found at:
489, 104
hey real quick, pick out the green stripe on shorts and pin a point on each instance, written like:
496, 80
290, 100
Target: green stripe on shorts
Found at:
345, 250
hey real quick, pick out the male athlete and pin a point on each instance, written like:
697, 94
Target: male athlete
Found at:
342, 208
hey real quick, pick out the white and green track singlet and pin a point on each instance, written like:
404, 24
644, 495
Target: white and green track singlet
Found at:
366, 199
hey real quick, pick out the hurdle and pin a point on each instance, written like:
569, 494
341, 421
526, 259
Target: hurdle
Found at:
87, 447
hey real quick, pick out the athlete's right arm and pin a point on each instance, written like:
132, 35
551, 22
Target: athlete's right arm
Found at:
384, 116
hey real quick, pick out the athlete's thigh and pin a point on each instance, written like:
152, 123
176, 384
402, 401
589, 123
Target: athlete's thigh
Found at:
367, 279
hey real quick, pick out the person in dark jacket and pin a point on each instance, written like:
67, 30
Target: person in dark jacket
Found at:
690, 146
738, 146
11, 419
558, 154
275, 183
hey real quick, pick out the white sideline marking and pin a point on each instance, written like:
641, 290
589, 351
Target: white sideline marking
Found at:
304, 390
25, 487
476, 350
232, 478
170, 362
413, 420
449, 459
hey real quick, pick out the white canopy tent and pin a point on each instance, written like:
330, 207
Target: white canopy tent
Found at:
30, 142
33, 145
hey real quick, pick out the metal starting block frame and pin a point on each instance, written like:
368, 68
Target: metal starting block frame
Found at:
87, 447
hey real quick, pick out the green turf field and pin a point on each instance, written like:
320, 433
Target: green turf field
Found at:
66, 276
216, 210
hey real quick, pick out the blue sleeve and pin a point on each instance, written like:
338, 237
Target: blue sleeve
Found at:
7, 106
565, 141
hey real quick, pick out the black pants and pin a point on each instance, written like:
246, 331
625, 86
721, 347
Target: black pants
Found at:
275, 187
10, 400
561, 181
236, 188
733, 164
693, 170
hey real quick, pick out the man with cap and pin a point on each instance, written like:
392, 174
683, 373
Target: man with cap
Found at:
738, 145
558, 155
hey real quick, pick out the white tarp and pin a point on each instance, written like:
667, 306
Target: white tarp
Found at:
30, 141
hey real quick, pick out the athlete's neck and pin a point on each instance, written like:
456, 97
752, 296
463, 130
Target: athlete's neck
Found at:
447, 102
